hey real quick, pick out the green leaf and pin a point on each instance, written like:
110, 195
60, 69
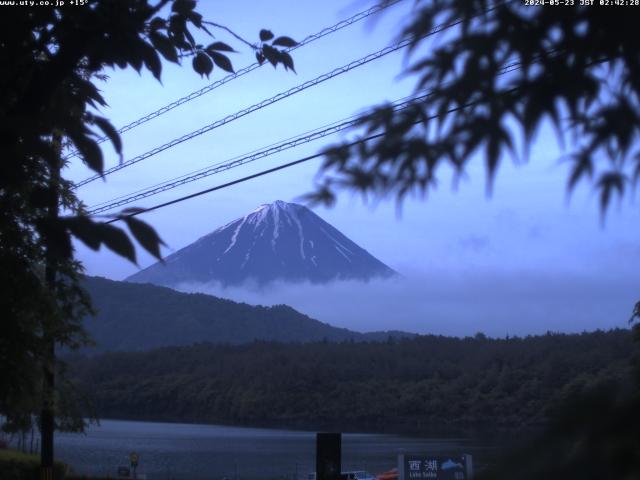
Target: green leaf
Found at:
189, 37
265, 35
220, 46
110, 132
89, 90
117, 241
195, 18
178, 31
287, 61
136, 58
183, 7
284, 42
151, 60
202, 64
89, 151
609, 183
271, 54
493, 157
164, 46
84, 230
583, 166
222, 61
145, 235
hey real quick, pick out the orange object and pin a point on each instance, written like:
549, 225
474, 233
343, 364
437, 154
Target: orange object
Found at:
392, 474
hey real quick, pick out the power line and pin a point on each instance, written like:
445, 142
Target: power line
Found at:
234, 182
272, 149
506, 69
254, 155
218, 83
216, 164
275, 169
264, 103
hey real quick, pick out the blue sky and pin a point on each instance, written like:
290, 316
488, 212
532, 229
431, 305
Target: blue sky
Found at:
523, 261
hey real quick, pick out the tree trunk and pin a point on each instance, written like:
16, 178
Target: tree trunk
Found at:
47, 417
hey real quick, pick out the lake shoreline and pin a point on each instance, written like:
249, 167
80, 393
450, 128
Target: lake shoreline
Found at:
179, 451
486, 432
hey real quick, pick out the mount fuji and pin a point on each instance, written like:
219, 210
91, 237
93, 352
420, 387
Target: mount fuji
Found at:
277, 241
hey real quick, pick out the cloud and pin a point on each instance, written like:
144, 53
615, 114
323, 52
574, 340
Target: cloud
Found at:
456, 303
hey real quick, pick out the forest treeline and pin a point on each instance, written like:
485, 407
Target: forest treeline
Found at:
427, 383
165, 317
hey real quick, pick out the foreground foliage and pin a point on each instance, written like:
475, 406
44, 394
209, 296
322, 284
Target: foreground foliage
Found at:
21, 466
50, 111
576, 67
594, 434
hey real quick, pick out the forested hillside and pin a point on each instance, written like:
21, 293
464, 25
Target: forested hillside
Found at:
426, 383
135, 317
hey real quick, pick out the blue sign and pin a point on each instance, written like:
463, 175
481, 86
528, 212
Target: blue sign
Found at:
435, 467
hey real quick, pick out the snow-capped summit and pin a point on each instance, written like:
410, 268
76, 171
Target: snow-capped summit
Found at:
277, 241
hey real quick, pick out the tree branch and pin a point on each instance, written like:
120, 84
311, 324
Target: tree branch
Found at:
227, 29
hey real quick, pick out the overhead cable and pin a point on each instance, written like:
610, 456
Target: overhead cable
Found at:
272, 149
243, 71
238, 161
264, 103
140, 211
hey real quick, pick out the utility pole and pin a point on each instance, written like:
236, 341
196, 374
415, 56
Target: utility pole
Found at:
47, 415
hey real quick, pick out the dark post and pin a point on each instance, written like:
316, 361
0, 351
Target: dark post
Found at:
328, 456
47, 415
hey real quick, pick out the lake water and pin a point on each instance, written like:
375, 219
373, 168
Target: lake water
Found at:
191, 451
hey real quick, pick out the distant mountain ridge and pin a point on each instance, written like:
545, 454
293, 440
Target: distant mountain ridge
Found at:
135, 317
277, 241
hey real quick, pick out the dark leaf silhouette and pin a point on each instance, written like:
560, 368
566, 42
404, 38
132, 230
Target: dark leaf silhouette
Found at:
505, 68
164, 46
284, 42
117, 241
110, 132
583, 167
152, 60
287, 61
220, 47
196, 19
610, 183
89, 150
202, 64
221, 61
272, 55
145, 235
265, 35
183, 7
95, 234
84, 230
